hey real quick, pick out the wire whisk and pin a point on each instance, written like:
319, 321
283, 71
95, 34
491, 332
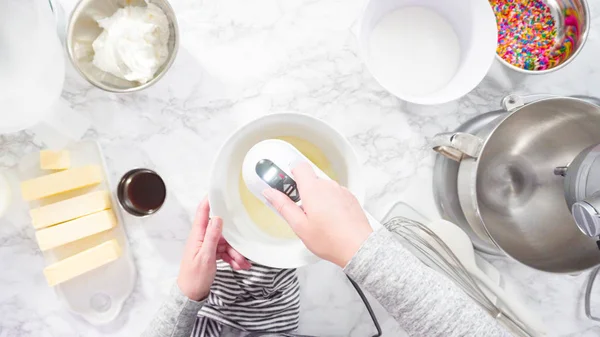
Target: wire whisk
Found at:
434, 252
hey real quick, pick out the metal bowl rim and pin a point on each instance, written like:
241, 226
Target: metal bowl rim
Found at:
100, 85
475, 202
584, 36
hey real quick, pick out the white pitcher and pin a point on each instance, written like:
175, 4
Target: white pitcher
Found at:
32, 73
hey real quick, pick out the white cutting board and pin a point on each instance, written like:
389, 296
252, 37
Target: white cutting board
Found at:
98, 296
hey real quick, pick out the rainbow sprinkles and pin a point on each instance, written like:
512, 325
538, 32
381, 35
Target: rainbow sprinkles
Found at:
527, 34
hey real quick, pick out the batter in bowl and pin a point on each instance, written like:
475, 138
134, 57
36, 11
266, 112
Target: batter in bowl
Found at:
261, 214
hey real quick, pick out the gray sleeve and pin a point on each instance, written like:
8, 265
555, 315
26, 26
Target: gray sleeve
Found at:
424, 302
176, 316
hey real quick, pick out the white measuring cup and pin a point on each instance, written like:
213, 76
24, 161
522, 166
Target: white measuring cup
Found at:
475, 26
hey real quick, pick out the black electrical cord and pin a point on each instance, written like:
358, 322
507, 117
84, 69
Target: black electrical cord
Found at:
368, 305
362, 297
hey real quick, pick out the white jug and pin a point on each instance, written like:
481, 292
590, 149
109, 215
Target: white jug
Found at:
32, 73
32, 64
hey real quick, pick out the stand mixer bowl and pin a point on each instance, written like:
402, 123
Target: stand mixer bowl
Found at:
508, 189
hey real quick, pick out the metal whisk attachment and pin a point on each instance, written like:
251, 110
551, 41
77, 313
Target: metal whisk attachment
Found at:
434, 252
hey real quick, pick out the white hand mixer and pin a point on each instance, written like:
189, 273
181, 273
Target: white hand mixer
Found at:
269, 164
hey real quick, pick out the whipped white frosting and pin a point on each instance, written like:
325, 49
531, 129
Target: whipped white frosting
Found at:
134, 42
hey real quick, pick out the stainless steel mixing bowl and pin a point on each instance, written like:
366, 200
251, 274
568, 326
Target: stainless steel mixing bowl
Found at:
83, 29
507, 186
558, 8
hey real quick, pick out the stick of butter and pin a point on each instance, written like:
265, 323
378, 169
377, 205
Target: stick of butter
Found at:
60, 182
70, 209
83, 262
54, 160
74, 230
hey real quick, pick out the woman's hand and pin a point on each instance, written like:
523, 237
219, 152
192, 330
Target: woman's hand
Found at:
204, 247
332, 225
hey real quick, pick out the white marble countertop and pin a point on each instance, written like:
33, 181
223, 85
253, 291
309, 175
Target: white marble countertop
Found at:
239, 60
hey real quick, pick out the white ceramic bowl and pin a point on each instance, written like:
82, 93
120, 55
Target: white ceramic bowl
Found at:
239, 230
475, 26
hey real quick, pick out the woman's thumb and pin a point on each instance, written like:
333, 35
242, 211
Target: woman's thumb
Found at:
289, 211
212, 237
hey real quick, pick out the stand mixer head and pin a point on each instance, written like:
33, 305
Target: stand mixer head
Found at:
582, 190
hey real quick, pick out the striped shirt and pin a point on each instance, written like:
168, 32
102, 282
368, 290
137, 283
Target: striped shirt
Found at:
261, 299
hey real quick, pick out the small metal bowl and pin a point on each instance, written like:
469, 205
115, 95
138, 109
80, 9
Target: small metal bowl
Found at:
557, 8
83, 29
